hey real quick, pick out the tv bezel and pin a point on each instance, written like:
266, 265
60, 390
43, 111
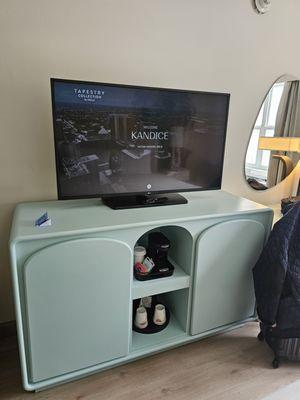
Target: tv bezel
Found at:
99, 195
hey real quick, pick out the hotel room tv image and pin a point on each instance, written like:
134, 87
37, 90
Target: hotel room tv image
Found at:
114, 139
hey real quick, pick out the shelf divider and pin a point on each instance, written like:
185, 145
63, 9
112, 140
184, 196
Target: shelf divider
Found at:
179, 280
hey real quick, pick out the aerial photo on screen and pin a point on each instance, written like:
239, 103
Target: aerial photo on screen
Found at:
117, 140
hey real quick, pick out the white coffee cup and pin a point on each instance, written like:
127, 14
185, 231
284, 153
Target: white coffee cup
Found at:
139, 254
141, 320
159, 314
146, 302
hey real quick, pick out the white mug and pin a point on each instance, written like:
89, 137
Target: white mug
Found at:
159, 314
141, 320
146, 302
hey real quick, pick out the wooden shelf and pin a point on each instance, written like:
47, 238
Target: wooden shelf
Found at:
179, 280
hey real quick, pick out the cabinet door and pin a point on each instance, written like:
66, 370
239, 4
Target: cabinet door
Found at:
223, 285
78, 305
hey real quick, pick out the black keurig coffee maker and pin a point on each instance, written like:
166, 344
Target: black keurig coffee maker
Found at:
158, 247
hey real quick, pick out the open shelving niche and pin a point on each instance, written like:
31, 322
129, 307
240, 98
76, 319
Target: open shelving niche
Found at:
173, 291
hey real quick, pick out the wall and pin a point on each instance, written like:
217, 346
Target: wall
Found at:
203, 45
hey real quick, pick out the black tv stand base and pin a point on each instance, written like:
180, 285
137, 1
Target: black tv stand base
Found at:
125, 202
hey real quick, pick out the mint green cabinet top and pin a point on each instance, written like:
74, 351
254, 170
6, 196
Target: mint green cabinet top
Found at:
83, 216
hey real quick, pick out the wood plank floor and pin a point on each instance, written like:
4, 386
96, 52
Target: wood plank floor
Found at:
231, 366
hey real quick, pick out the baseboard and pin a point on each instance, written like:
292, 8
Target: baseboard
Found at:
8, 329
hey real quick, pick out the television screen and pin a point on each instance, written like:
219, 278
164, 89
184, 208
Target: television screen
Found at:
119, 140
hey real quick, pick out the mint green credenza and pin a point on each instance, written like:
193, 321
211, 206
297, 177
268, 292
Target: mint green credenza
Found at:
74, 286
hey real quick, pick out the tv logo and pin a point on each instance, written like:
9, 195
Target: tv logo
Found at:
89, 94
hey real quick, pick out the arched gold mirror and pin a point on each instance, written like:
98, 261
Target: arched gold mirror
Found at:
274, 146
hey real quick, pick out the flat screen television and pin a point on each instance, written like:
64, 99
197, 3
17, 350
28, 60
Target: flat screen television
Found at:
136, 146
